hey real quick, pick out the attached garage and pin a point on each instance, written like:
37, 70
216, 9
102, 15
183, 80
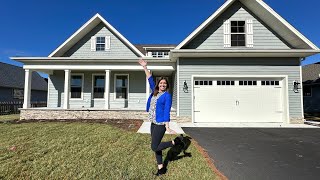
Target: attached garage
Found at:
239, 99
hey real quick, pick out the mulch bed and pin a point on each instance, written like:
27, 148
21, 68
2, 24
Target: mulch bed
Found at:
129, 125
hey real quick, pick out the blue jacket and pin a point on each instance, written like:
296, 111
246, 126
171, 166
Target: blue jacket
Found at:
163, 104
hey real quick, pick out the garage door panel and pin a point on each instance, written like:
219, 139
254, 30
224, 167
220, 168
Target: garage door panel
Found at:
259, 102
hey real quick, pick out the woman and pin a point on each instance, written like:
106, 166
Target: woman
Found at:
159, 106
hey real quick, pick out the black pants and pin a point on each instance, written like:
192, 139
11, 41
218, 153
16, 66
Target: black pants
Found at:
157, 133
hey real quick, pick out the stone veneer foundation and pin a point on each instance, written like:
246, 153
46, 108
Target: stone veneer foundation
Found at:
62, 114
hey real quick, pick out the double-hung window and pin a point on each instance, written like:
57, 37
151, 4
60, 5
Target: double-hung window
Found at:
101, 44
238, 34
76, 86
121, 86
98, 86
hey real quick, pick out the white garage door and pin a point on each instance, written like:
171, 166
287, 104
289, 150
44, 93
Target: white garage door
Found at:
238, 100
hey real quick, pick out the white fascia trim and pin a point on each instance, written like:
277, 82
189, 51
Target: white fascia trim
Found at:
73, 35
205, 23
288, 25
96, 67
108, 25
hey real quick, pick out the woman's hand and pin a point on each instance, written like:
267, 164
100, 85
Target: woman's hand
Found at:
142, 62
170, 131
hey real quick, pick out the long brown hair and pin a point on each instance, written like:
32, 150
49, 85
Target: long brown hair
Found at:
156, 91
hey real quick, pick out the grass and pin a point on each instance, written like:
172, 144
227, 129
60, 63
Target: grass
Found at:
86, 151
9, 117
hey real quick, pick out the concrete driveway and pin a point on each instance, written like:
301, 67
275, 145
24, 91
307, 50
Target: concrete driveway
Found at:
257, 153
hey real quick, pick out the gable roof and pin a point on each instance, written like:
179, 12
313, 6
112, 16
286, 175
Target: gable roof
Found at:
13, 77
311, 73
268, 16
86, 28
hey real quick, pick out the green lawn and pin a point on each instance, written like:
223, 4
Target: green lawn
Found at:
86, 151
9, 117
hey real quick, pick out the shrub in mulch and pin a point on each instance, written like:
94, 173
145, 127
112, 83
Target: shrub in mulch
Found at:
125, 124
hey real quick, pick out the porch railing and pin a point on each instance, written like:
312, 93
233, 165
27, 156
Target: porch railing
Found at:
12, 107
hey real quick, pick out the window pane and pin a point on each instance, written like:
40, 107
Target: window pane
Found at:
76, 86
121, 87
75, 92
254, 83
241, 43
241, 23
250, 83
205, 82
234, 29
218, 83
228, 83
210, 82
277, 83
241, 29
98, 90
241, 37
241, 83
234, 23
196, 83
263, 83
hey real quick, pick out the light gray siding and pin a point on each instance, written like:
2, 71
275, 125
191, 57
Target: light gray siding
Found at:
174, 92
137, 89
83, 47
239, 66
312, 104
212, 36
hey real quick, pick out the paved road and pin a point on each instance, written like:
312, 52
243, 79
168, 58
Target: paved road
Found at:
256, 153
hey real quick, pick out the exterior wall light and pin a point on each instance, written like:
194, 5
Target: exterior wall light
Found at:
185, 87
296, 86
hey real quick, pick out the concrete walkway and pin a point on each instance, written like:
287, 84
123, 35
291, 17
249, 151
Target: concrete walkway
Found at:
145, 128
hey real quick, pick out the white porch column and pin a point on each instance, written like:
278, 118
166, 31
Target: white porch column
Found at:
107, 90
67, 75
27, 89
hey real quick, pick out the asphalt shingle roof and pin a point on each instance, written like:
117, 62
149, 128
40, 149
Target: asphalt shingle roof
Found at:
311, 73
13, 76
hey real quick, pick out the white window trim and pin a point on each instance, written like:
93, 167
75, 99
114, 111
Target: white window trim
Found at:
77, 74
115, 89
245, 35
92, 86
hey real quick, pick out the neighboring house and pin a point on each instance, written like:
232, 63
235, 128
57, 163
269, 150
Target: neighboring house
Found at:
239, 65
311, 87
12, 84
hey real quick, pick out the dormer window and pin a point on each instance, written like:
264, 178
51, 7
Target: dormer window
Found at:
238, 34
158, 54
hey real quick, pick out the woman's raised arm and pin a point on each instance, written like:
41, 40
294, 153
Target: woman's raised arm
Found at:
143, 63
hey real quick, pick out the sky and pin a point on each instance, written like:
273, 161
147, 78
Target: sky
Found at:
38, 27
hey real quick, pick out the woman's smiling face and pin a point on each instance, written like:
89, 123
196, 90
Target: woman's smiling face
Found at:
162, 85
